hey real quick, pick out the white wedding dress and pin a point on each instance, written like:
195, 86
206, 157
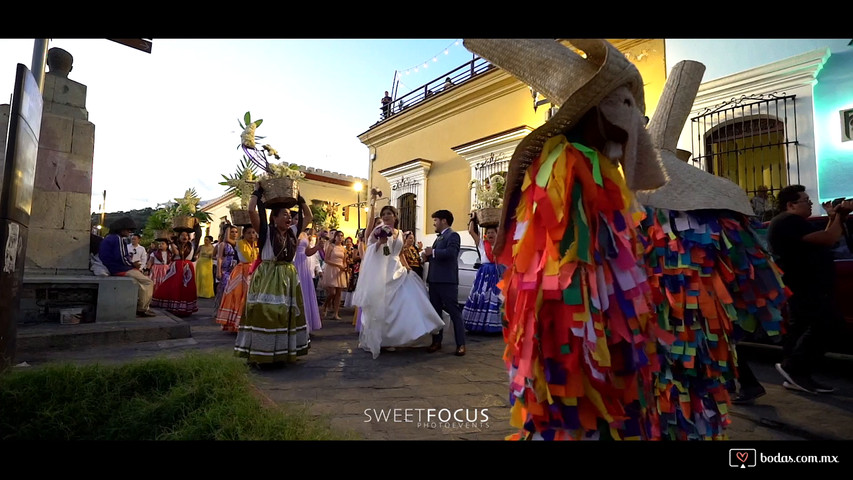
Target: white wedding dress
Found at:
395, 307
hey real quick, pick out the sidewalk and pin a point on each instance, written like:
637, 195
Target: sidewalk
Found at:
358, 393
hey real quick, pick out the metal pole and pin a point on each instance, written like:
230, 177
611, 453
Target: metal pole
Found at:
358, 209
103, 212
39, 61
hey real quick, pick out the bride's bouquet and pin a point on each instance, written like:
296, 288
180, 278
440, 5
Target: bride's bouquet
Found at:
383, 231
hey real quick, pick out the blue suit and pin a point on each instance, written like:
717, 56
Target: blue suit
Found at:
443, 280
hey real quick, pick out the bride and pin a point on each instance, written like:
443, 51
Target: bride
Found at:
395, 306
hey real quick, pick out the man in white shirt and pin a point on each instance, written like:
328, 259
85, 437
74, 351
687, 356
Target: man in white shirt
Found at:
137, 252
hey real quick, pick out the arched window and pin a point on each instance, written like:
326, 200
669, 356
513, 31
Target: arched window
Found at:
751, 141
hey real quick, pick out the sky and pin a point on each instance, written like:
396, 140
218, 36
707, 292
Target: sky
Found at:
168, 121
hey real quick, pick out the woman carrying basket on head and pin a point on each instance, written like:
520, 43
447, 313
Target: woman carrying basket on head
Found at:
273, 328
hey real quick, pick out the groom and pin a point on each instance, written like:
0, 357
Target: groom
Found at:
443, 278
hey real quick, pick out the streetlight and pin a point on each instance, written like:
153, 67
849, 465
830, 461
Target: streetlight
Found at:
358, 187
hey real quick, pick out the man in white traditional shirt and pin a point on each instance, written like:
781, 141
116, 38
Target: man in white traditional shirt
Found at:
137, 251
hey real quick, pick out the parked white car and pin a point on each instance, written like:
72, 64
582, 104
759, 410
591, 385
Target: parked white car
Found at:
469, 262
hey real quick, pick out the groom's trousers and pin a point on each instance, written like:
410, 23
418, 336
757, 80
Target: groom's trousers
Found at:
442, 296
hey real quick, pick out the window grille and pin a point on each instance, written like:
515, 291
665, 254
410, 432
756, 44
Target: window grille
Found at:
492, 164
751, 140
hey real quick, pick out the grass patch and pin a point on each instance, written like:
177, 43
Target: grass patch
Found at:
195, 397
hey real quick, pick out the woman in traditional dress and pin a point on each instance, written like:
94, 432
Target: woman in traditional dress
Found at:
178, 293
412, 253
334, 276
204, 269
226, 259
273, 329
305, 268
482, 311
396, 311
158, 262
234, 296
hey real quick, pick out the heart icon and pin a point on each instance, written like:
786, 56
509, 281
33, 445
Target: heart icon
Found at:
742, 456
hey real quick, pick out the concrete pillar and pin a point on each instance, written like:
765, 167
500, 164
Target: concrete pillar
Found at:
60, 225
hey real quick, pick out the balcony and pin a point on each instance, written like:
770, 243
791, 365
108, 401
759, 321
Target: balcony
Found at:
438, 86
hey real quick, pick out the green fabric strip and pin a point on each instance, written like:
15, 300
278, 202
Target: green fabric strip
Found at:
592, 155
548, 165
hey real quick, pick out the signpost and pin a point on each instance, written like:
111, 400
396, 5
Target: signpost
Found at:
143, 44
16, 198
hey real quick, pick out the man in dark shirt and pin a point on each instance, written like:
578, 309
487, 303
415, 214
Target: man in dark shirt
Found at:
386, 105
804, 255
115, 255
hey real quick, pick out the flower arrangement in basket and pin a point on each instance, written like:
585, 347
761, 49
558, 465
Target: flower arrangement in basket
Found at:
383, 231
279, 181
186, 212
242, 184
489, 196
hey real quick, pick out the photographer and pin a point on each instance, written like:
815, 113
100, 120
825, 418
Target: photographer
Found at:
805, 256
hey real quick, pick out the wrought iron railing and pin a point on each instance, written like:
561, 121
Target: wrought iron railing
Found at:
438, 86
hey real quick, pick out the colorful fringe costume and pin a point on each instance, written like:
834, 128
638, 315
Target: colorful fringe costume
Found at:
712, 282
580, 328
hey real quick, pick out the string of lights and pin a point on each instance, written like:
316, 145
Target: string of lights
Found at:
435, 58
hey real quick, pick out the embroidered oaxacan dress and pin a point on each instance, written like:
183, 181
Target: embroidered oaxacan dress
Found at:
233, 304
229, 260
482, 311
273, 329
159, 261
178, 293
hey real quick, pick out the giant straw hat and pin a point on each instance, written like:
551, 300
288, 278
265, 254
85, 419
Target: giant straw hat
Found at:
688, 187
573, 82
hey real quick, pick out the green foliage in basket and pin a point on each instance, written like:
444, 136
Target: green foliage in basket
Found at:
242, 182
278, 170
489, 191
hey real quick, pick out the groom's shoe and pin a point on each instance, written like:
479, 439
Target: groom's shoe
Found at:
460, 351
434, 347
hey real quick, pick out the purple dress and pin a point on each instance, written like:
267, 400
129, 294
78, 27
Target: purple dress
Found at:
229, 260
309, 295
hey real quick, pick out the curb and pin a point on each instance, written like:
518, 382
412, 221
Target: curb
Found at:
164, 326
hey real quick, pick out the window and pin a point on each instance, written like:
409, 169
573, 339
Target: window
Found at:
751, 141
406, 206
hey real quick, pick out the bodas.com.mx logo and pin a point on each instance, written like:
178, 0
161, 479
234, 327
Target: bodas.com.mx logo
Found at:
742, 457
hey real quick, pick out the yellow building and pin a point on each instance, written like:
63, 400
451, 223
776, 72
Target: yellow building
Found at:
442, 135
321, 188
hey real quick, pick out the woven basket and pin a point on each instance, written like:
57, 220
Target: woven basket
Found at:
240, 218
280, 191
183, 223
162, 234
489, 217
